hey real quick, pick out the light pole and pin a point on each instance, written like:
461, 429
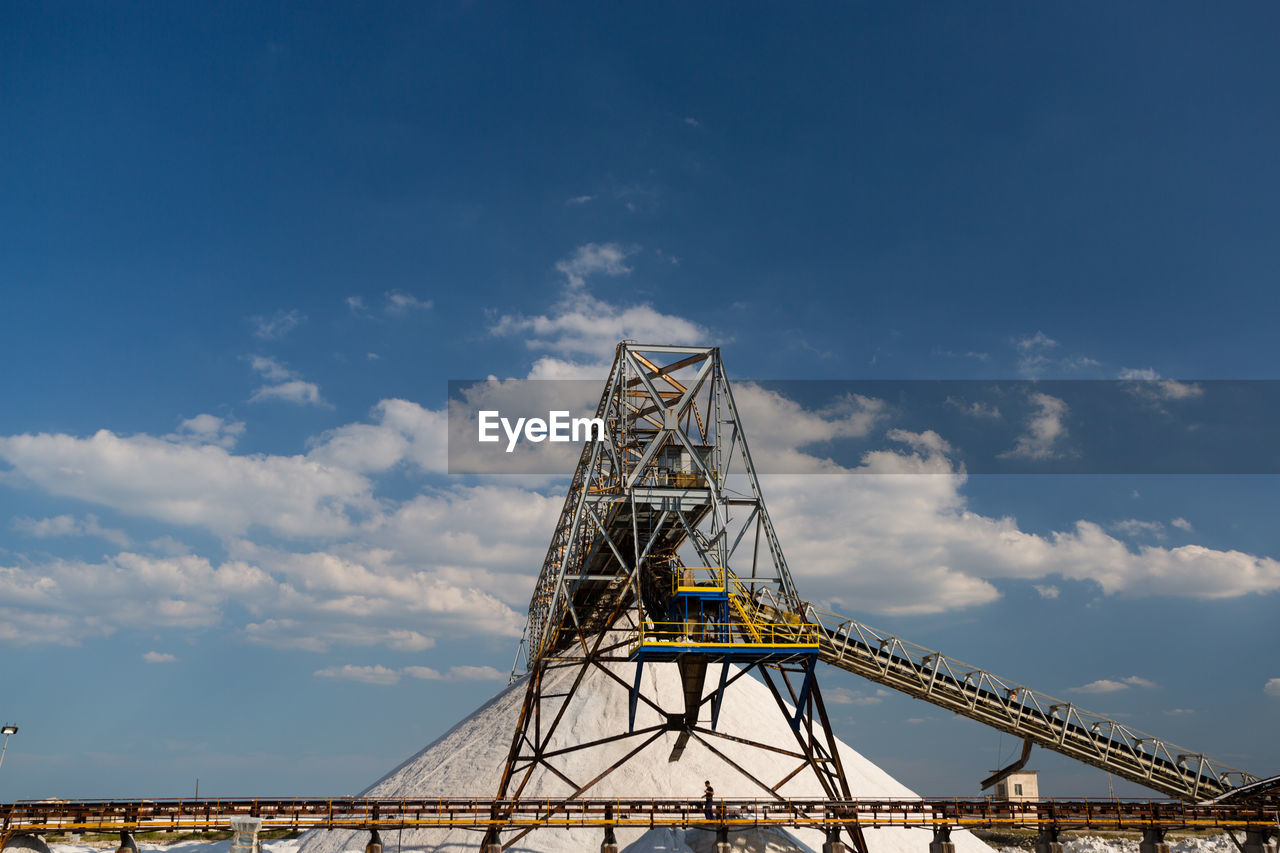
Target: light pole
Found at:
6, 730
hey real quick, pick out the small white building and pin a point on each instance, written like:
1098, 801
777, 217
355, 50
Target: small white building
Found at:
1018, 786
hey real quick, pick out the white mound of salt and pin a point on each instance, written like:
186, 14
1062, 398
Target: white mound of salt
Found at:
468, 760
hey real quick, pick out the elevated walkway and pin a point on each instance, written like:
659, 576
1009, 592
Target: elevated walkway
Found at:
179, 815
711, 613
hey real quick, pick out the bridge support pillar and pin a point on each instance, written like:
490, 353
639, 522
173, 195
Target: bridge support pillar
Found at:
833, 844
722, 839
127, 844
1153, 840
942, 842
1257, 841
375, 842
244, 834
492, 843
610, 843
1047, 841
26, 844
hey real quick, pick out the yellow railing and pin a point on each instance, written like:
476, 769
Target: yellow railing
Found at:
678, 479
698, 579
742, 608
741, 602
725, 635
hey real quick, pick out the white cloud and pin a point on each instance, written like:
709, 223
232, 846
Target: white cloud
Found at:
293, 391
384, 676
1146, 384
845, 696
389, 568
692, 122
403, 432
321, 625
594, 258
579, 199
371, 597
390, 573
202, 485
159, 657
1045, 431
288, 386
378, 674
208, 429
778, 427
1047, 591
1037, 356
975, 409
68, 525
66, 601
1107, 685
1178, 712
586, 326
1272, 687
1104, 685
399, 302
356, 305
1181, 524
277, 325
946, 353
1032, 351
271, 370
845, 529
581, 332
1134, 527
1172, 389
475, 673
382, 572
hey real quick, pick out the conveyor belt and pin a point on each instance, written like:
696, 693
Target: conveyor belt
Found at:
1017, 709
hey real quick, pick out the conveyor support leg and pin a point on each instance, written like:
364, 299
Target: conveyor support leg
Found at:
244, 834
127, 844
942, 842
1153, 840
26, 844
1257, 841
610, 843
1047, 841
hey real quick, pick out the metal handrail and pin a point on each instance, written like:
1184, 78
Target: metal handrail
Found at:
1009, 706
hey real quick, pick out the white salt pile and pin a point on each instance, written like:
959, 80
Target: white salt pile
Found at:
467, 762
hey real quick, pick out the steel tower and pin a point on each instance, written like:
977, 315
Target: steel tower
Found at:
661, 554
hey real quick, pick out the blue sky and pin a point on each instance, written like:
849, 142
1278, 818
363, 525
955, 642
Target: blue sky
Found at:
243, 250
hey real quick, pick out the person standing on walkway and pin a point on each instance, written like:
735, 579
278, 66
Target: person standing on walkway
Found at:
708, 796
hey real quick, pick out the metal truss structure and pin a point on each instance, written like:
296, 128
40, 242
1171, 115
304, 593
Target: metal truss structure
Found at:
664, 552
657, 559
659, 481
